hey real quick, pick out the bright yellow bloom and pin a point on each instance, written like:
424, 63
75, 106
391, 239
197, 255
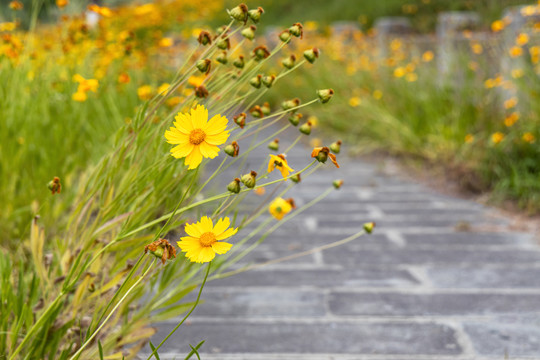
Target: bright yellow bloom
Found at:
497, 25
204, 239
469, 138
16, 5
427, 56
515, 51
280, 207
355, 101
79, 96
510, 103
196, 137
511, 119
279, 162
166, 42
85, 85
522, 39
62, 3
528, 137
399, 72
497, 137
163, 88
477, 48
145, 92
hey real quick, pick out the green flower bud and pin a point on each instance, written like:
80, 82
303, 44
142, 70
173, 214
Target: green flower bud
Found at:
240, 120
232, 149
368, 227
249, 32
204, 38
289, 62
234, 186
261, 52
256, 81
256, 111
250, 180
268, 80
223, 43
222, 58
266, 110
274, 145
305, 128
289, 104
239, 13
295, 119
204, 65
336, 147
285, 36
311, 55
255, 14
239, 63
325, 95
322, 156
297, 30
337, 183
296, 178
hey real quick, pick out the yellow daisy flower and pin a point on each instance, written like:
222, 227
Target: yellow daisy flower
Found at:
279, 162
280, 207
204, 240
196, 137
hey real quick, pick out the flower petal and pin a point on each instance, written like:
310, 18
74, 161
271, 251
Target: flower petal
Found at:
217, 139
199, 117
206, 255
206, 224
226, 234
334, 160
183, 123
221, 247
208, 151
194, 159
189, 243
216, 125
193, 230
182, 150
174, 136
221, 226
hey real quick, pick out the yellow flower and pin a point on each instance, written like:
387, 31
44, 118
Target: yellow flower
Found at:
144, 92
477, 48
510, 103
517, 73
377, 94
280, 207
497, 137
204, 239
511, 119
196, 137
522, 39
16, 5
124, 78
469, 138
354, 101
79, 96
528, 137
62, 3
85, 85
411, 77
515, 51
163, 88
399, 72
165, 42
497, 25
279, 162
427, 56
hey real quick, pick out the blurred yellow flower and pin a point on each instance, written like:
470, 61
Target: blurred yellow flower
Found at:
511, 119
196, 81
280, 207
62, 3
399, 72
528, 137
427, 56
85, 85
477, 48
412, 77
517, 73
145, 92
313, 120
124, 78
469, 138
377, 94
196, 137
355, 101
163, 88
515, 51
165, 42
497, 25
522, 39
204, 239
79, 96
510, 103
279, 162
16, 5
315, 142
497, 137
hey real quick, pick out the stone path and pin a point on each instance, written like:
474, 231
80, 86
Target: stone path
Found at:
417, 289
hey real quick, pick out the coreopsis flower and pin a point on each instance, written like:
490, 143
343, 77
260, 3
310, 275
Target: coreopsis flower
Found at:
497, 137
322, 154
166, 42
280, 207
161, 249
515, 51
62, 3
16, 5
85, 85
497, 25
79, 96
279, 162
511, 119
124, 78
428, 56
528, 137
204, 240
196, 137
145, 92
469, 138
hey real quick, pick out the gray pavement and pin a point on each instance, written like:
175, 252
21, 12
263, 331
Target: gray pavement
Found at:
416, 289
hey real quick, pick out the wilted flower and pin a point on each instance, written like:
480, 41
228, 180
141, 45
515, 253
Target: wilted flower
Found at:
161, 249
279, 162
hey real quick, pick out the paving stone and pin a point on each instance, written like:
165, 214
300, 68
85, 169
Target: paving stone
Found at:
321, 278
484, 277
243, 303
328, 337
469, 238
448, 304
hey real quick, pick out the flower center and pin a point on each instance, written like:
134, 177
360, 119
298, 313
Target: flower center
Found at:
207, 239
197, 136
279, 209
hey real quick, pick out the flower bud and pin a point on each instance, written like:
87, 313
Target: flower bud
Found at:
222, 58
54, 185
266, 110
234, 186
249, 32
250, 180
297, 30
256, 111
285, 36
289, 62
240, 120
239, 13
311, 55
256, 81
223, 43
305, 128
274, 144
295, 119
322, 156
161, 249
221, 30
204, 38
261, 52
204, 65
201, 92
268, 80
368, 227
296, 178
232, 149
337, 183
336, 147
255, 14
289, 104
239, 63
325, 95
